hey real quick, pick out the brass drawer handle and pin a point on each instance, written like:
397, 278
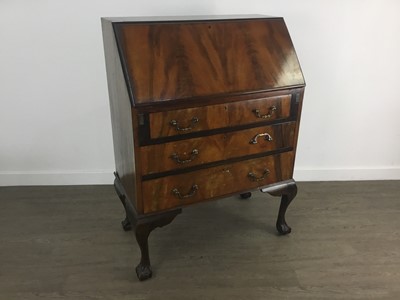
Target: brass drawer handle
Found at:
193, 122
193, 155
268, 137
253, 177
191, 193
272, 109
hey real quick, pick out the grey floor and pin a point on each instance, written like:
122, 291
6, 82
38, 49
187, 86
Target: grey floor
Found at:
67, 243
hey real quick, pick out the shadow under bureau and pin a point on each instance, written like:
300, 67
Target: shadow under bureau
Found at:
202, 108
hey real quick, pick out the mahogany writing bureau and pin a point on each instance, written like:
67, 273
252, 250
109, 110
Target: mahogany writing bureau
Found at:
202, 108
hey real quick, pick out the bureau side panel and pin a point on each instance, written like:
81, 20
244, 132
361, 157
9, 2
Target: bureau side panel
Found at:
297, 108
121, 116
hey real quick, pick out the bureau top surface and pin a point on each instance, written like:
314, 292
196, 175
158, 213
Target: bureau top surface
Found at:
185, 18
188, 58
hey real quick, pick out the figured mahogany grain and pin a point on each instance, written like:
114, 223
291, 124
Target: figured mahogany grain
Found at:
220, 115
244, 112
209, 117
215, 182
184, 59
216, 83
159, 158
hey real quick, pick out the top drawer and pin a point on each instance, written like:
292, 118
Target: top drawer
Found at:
182, 121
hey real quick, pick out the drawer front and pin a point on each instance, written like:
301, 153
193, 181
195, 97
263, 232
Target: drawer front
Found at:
182, 121
197, 151
180, 190
259, 110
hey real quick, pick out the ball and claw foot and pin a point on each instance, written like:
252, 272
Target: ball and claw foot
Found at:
283, 228
245, 195
143, 272
126, 224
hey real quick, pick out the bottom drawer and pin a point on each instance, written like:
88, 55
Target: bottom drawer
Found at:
180, 190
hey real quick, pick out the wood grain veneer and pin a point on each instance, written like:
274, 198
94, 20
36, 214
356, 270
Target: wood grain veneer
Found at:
201, 108
181, 60
160, 158
215, 182
220, 115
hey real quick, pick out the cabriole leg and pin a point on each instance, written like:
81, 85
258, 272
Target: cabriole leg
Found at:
143, 225
143, 229
126, 224
287, 193
143, 269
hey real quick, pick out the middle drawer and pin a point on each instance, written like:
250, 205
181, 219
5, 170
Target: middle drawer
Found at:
198, 151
